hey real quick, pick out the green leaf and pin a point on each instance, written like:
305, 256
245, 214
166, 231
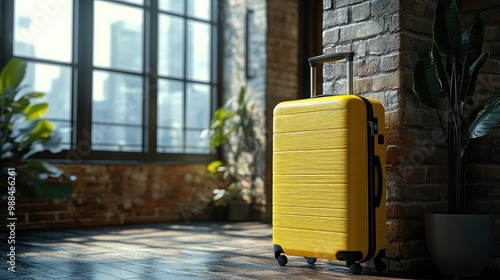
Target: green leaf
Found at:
8, 93
426, 84
23, 131
34, 95
13, 73
447, 32
20, 105
488, 118
472, 41
35, 111
42, 129
47, 190
440, 69
221, 127
470, 52
470, 76
213, 167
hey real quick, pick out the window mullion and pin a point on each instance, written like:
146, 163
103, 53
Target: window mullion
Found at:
85, 27
7, 30
184, 95
151, 77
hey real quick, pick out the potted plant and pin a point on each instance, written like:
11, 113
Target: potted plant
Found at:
22, 134
452, 92
233, 127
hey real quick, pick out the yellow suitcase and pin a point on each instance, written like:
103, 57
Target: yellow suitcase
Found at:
329, 177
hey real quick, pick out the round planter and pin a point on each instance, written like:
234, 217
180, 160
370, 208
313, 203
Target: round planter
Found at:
459, 245
239, 210
221, 213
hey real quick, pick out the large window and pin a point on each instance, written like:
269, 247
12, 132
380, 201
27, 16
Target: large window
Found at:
125, 79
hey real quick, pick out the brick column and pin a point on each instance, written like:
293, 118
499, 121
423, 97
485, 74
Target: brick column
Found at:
282, 71
387, 36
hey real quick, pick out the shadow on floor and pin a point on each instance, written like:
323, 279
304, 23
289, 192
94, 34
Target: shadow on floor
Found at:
169, 251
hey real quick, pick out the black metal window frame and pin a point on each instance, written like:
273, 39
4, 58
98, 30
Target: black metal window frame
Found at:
82, 77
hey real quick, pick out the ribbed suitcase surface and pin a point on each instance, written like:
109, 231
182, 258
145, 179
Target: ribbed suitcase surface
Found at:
325, 187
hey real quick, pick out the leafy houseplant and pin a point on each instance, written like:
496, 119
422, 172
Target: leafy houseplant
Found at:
23, 133
234, 128
464, 113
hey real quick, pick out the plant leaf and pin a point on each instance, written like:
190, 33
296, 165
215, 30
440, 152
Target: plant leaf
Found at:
35, 111
426, 84
470, 52
440, 69
472, 41
471, 74
45, 190
42, 130
213, 167
20, 105
447, 32
13, 73
488, 118
34, 94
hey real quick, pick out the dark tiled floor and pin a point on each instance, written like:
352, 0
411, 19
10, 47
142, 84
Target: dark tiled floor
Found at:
166, 251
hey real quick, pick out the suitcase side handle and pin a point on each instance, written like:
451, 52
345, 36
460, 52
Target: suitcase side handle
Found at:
348, 56
378, 196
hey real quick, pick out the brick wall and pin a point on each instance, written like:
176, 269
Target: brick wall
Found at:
244, 65
387, 36
124, 194
282, 70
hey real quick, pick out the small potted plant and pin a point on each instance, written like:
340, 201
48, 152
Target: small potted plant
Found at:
23, 133
233, 127
464, 114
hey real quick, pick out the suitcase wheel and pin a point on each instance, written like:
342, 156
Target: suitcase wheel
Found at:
311, 260
355, 268
282, 260
380, 266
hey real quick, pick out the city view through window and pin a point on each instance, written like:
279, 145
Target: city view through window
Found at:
123, 76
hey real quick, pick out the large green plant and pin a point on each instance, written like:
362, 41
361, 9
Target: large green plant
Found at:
234, 127
464, 112
23, 132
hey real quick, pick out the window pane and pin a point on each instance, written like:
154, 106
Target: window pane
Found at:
198, 51
55, 82
139, 2
198, 106
118, 36
173, 6
171, 46
108, 137
117, 111
199, 9
196, 144
43, 29
197, 117
170, 116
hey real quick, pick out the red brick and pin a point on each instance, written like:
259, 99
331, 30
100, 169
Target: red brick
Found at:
39, 217
416, 193
413, 117
479, 5
405, 210
405, 229
436, 174
485, 171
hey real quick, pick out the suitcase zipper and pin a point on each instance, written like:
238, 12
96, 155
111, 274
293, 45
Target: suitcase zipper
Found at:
372, 129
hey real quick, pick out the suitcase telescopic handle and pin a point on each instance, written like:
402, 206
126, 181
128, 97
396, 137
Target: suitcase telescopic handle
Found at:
348, 56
